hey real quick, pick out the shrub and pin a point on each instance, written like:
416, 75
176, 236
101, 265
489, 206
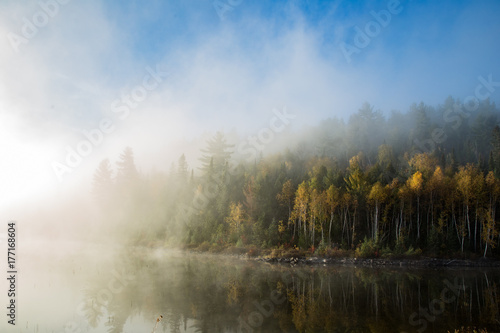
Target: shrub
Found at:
235, 250
204, 247
239, 243
366, 249
276, 253
303, 242
322, 248
253, 251
412, 252
386, 253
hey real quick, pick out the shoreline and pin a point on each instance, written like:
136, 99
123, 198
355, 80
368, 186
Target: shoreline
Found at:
421, 262
378, 262
294, 259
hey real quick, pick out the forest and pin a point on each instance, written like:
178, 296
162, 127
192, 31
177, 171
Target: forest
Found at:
425, 181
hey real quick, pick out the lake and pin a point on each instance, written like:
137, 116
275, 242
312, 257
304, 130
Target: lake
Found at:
92, 288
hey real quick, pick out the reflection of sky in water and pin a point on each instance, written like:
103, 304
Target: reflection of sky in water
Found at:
208, 293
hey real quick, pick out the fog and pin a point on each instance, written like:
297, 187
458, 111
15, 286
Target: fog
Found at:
134, 135
214, 72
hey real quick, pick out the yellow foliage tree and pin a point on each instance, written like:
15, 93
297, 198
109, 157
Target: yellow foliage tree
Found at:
301, 206
236, 218
416, 183
333, 200
377, 196
285, 198
470, 185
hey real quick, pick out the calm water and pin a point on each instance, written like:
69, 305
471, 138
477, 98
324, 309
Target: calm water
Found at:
96, 289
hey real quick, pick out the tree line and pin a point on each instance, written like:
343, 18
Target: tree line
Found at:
425, 179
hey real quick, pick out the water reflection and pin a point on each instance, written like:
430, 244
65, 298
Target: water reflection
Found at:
204, 293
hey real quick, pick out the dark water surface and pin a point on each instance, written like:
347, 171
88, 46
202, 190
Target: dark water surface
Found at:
94, 289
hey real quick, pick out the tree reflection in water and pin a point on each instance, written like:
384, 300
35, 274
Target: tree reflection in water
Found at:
208, 293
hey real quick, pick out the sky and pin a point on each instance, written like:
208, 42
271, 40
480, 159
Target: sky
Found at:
89, 78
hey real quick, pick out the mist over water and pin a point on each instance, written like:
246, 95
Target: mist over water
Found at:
149, 149
110, 289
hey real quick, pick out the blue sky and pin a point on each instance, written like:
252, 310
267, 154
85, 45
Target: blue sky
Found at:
223, 73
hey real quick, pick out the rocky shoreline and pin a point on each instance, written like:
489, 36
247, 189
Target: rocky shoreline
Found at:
423, 263
418, 262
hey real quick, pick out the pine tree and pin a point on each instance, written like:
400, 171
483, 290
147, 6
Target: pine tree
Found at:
217, 154
102, 185
491, 162
182, 168
127, 172
495, 144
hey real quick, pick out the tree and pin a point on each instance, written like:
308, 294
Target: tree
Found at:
182, 169
470, 183
102, 184
489, 224
424, 163
365, 134
495, 152
285, 197
356, 181
127, 172
435, 189
318, 213
301, 205
489, 231
217, 154
250, 192
235, 219
333, 200
415, 184
357, 187
385, 159
376, 197
422, 122
347, 202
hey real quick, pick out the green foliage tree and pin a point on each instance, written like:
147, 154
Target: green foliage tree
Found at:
371, 184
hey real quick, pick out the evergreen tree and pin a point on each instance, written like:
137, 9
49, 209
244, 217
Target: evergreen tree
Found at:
182, 169
102, 184
216, 155
127, 172
422, 122
495, 144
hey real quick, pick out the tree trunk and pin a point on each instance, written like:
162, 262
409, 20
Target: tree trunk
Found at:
330, 231
475, 231
418, 217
